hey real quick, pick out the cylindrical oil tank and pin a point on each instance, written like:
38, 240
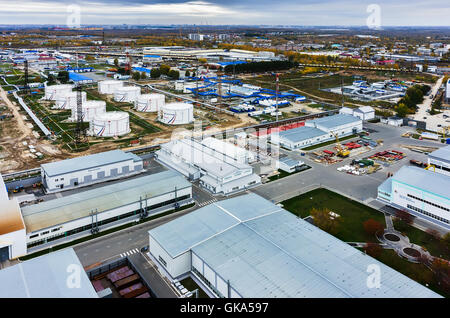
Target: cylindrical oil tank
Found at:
149, 102
109, 87
176, 114
90, 109
68, 100
110, 124
127, 94
52, 91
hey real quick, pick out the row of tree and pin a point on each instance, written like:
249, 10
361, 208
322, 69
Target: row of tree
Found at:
259, 67
413, 97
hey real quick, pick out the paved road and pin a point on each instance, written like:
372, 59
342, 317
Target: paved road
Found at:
362, 188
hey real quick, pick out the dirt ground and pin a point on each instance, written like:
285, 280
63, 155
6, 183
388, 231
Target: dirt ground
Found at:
15, 155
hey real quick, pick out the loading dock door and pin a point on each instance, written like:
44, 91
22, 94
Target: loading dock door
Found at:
4, 253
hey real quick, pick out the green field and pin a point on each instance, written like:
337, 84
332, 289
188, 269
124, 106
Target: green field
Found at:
353, 214
283, 174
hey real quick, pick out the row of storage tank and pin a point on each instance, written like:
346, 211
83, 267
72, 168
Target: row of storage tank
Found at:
116, 123
170, 113
101, 122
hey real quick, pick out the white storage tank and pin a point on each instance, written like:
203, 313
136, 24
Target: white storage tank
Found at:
176, 114
91, 108
127, 94
68, 100
52, 91
149, 102
110, 124
109, 87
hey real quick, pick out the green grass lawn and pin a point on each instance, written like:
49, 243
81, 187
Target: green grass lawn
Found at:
191, 285
353, 214
285, 174
419, 237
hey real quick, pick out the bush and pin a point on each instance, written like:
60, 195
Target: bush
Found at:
155, 73
372, 227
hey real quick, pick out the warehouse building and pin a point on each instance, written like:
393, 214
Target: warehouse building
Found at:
249, 247
55, 275
87, 170
75, 213
423, 193
239, 154
363, 113
317, 131
12, 227
440, 160
301, 137
340, 124
216, 171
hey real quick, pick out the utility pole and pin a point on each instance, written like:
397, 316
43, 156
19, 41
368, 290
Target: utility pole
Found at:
276, 96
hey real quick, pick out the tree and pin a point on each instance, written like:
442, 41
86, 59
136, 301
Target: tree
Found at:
164, 69
136, 76
51, 79
441, 270
63, 76
143, 75
116, 62
372, 226
373, 249
434, 234
323, 219
155, 73
404, 216
401, 110
202, 60
174, 74
446, 238
187, 74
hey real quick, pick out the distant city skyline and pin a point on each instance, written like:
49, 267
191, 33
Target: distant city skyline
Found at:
215, 12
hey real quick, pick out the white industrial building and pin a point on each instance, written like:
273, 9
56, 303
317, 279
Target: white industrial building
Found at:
90, 109
127, 94
392, 121
317, 131
363, 112
176, 113
52, 91
289, 165
149, 102
239, 154
55, 275
109, 87
423, 193
216, 171
12, 227
440, 160
86, 170
106, 205
110, 124
248, 247
447, 92
341, 125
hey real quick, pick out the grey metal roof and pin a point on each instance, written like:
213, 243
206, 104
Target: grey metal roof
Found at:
180, 235
87, 162
442, 154
430, 181
79, 205
290, 162
46, 276
330, 122
301, 133
272, 253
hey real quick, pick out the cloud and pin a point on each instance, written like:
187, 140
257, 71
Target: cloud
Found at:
260, 12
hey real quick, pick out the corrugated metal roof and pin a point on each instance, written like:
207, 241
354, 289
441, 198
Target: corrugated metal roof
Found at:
430, 181
301, 133
79, 205
441, 154
46, 276
273, 253
330, 122
87, 162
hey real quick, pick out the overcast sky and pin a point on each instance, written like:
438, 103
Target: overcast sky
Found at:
266, 12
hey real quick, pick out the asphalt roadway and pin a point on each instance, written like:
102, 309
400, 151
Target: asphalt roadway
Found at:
362, 188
